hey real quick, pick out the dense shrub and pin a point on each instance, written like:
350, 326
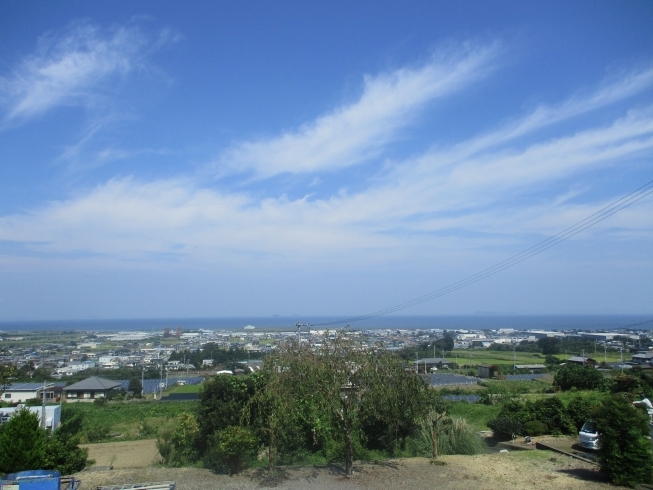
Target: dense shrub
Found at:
231, 448
625, 451
516, 409
552, 412
579, 410
535, 428
180, 447
625, 383
580, 377
222, 400
506, 428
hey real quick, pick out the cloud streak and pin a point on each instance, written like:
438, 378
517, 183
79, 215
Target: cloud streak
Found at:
441, 197
353, 133
72, 68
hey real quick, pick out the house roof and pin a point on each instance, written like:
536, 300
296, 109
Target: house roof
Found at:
33, 386
530, 366
93, 383
580, 359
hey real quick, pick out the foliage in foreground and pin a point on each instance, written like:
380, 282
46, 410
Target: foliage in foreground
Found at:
455, 436
26, 446
625, 451
337, 402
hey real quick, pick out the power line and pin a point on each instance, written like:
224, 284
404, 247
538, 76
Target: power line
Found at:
540, 247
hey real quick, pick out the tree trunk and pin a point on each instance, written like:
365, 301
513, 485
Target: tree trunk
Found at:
271, 453
435, 442
349, 454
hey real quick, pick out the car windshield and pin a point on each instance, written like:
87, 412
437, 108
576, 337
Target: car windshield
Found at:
589, 427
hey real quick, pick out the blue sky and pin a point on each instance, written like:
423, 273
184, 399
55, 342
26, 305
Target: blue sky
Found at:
166, 159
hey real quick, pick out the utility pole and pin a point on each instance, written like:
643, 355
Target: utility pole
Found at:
514, 358
299, 330
43, 406
142, 380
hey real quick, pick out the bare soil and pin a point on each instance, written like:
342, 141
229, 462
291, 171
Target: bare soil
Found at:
540, 470
126, 454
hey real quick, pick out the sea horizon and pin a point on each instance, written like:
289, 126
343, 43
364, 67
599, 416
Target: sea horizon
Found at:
481, 321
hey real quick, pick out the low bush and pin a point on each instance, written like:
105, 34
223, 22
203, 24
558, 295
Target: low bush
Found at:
232, 448
455, 436
535, 428
506, 428
180, 447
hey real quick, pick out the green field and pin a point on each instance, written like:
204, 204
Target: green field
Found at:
482, 356
125, 421
185, 389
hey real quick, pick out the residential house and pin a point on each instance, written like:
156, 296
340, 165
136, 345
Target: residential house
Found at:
89, 389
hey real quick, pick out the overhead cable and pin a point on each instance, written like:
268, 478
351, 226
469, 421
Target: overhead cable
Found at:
540, 247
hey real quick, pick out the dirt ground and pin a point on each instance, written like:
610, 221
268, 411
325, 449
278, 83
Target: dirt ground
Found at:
128, 454
540, 470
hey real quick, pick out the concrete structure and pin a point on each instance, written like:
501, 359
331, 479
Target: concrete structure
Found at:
89, 389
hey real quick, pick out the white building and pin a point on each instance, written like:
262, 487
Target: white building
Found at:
52, 415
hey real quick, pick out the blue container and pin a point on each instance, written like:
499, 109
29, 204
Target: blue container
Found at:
31, 480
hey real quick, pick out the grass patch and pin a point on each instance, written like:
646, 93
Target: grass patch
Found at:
128, 419
186, 389
477, 415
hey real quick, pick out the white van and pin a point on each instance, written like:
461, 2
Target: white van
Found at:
588, 436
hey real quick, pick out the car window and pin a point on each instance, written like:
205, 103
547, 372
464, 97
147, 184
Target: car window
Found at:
589, 427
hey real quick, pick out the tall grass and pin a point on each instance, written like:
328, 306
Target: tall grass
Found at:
455, 436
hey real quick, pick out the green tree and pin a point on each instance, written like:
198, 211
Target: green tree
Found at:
135, 387
580, 377
232, 447
23, 443
271, 412
63, 454
6, 372
180, 446
349, 383
221, 404
549, 345
625, 451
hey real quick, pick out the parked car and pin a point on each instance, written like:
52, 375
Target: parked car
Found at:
588, 436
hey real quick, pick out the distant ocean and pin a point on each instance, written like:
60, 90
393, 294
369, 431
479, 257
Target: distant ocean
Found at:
475, 322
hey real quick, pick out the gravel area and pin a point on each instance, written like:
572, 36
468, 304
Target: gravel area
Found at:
519, 469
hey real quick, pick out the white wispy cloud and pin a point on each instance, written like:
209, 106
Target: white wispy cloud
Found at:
69, 68
355, 132
440, 196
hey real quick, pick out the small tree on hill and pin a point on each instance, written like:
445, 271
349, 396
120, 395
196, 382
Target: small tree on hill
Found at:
625, 451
